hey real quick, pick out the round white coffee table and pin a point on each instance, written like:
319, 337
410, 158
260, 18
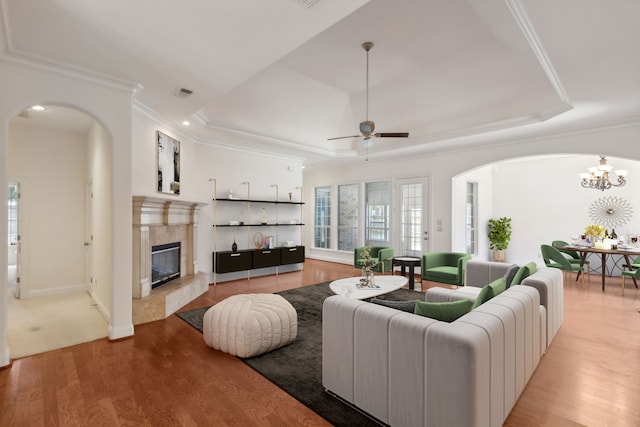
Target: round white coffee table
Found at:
347, 286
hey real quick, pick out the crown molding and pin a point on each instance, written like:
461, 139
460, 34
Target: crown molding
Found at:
10, 54
522, 19
180, 133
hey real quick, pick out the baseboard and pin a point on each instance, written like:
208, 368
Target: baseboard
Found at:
52, 291
120, 332
101, 308
5, 359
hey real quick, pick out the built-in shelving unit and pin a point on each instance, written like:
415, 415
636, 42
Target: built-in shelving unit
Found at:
259, 251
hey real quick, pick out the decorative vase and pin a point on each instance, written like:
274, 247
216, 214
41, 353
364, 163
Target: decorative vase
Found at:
234, 246
264, 219
367, 278
499, 255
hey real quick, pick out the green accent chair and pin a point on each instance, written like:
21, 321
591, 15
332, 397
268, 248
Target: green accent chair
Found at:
574, 257
384, 254
553, 258
445, 267
632, 274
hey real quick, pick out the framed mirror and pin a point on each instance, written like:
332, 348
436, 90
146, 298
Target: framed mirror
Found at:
168, 164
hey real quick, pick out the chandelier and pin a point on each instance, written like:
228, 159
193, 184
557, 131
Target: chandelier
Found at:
598, 176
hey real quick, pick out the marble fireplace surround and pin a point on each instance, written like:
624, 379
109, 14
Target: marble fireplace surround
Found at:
158, 221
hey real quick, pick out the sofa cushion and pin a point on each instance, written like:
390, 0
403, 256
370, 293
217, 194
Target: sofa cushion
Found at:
408, 306
443, 272
444, 311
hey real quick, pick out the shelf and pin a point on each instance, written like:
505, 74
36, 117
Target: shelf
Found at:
286, 211
275, 202
257, 225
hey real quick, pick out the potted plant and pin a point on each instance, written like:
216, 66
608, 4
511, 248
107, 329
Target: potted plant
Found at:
499, 237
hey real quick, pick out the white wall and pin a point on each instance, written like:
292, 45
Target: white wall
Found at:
200, 162
53, 231
545, 201
617, 141
99, 167
23, 85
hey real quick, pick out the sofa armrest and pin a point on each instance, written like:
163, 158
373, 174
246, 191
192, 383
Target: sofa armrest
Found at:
549, 284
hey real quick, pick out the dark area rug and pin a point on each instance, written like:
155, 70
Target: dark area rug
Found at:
297, 367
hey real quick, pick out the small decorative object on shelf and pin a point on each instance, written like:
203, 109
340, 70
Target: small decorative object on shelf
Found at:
264, 219
290, 196
258, 240
234, 246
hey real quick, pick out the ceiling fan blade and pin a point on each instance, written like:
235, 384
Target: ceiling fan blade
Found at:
392, 135
343, 137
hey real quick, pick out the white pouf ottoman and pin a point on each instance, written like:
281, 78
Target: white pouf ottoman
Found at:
247, 325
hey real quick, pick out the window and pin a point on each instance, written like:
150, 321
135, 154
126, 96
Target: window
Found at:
377, 207
13, 214
471, 217
347, 217
323, 217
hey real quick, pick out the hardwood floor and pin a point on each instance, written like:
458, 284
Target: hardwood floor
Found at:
166, 376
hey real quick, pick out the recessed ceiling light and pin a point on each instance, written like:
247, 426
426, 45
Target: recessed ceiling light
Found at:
37, 107
186, 123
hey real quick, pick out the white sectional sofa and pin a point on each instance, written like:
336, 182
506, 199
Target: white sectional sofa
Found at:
409, 370
547, 281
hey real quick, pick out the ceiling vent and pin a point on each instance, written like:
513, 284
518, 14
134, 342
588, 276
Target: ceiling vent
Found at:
183, 93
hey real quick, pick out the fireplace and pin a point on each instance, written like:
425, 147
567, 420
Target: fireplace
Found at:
165, 263
156, 224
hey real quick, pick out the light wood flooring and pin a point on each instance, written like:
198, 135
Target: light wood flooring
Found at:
166, 376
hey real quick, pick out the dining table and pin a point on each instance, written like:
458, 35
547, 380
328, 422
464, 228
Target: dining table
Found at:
586, 250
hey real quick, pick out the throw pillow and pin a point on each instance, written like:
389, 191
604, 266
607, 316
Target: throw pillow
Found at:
522, 274
408, 306
486, 293
532, 267
511, 273
445, 311
498, 286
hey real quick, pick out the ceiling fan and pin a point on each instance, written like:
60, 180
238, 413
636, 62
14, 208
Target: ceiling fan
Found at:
367, 127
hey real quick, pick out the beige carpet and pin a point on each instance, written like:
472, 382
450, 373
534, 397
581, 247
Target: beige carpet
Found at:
37, 325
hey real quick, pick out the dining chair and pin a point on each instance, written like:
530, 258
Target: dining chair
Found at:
635, 264
574, 257
633, 274
553, 258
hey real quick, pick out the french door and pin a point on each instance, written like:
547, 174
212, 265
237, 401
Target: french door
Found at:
412, 236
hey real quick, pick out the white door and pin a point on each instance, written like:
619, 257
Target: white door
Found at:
412, 220
13, 216
88, 242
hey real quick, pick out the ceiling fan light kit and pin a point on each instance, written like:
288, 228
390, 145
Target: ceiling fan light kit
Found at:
367, 127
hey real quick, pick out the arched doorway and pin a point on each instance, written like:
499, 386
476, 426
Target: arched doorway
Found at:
55, 157
543, 197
